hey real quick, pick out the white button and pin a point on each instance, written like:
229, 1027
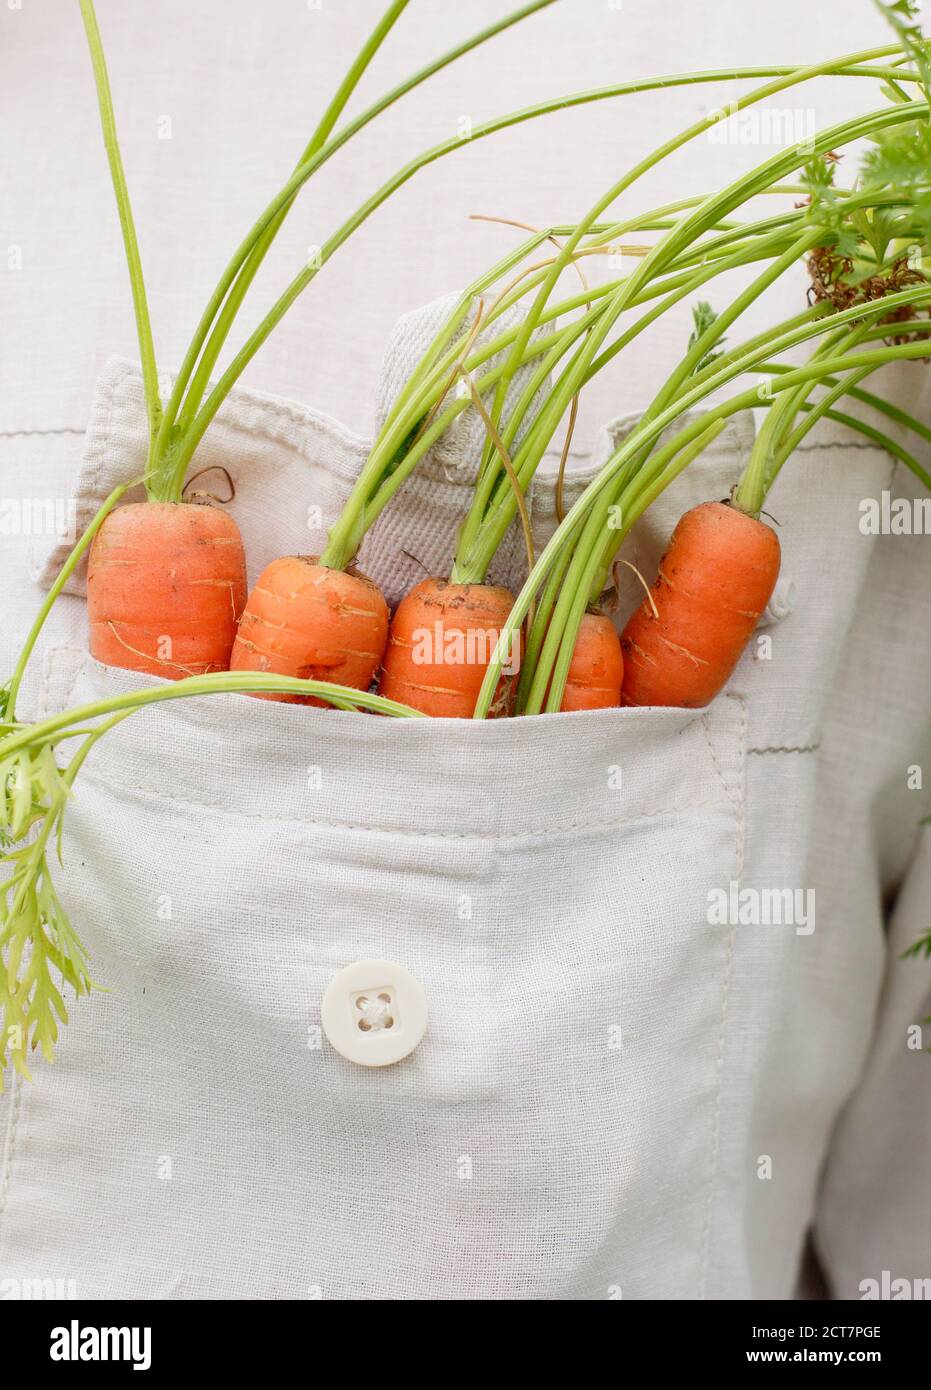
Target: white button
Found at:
374, 1012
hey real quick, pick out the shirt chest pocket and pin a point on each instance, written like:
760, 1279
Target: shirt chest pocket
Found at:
537, 888
545, 883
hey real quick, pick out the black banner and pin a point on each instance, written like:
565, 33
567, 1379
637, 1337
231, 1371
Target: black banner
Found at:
53, 1342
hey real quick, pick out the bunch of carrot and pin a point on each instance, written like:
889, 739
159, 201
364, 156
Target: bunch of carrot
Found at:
166, 578
718, 574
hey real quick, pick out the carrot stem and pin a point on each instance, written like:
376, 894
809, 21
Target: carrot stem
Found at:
678, 239
127, 225
216, 683
878, 437
877, 403
172, 431
856, 64
645, 271
260, 246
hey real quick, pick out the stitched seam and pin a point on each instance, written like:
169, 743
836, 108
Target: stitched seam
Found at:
305, 447
894, 468
26, 434
838, 444
738, 801
99, 446
95, 448
16, 1082
100, 435
438, 473
55, 662
705, 720
788, 748
491, 834
48, 661
9, 1143
102, 442
75, 675
295, 414
242, 398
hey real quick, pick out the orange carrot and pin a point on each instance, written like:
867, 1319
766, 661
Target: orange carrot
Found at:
166, 583
441, 641
714, 581
306, 620
597, 667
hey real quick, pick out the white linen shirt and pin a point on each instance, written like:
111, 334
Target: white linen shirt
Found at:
614, 1097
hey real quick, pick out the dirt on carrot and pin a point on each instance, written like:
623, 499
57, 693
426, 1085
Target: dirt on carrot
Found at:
441, 641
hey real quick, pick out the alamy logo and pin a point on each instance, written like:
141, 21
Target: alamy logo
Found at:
37, 1290
762, 126
441, 646
762, 907
886, 515
886, 1287
77, 1343
37, 516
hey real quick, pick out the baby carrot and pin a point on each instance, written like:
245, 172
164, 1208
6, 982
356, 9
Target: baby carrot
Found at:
714, 581
306, 620
442, 638
166, 583
597, 667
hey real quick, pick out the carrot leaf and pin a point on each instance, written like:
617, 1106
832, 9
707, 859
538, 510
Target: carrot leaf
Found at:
919, 948
39, 951
905, 18
703, 316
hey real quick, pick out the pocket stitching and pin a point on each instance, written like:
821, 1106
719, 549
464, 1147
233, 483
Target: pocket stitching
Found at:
17, 1084
17, 1087
705, 719
88, 775
738, 801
